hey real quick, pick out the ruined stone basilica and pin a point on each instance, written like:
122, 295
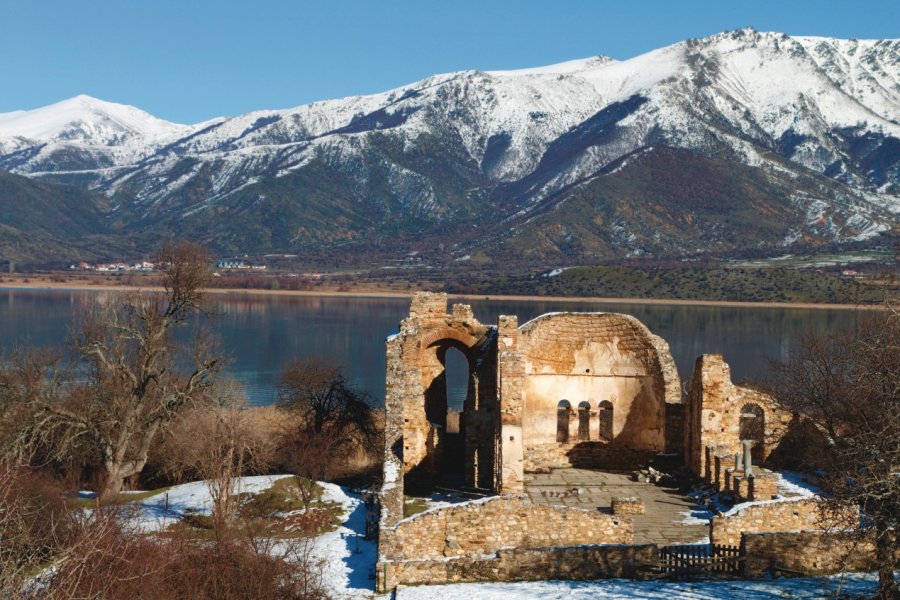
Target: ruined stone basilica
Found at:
590, 391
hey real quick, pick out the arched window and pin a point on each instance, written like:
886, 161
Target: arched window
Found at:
753, 427
584, 421
605, 415
563, 411
456, 368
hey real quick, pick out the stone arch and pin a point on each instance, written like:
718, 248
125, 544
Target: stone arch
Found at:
563, 412
447, 334
605, 420
584, 421
752, 426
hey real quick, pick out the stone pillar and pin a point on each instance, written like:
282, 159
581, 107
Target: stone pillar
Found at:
748, 463
392, 475
510, 385
709, 464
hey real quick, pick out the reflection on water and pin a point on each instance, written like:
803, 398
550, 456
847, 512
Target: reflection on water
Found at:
259, 333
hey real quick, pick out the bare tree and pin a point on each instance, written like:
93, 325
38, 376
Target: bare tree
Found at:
134, 384
334, 419
848, 385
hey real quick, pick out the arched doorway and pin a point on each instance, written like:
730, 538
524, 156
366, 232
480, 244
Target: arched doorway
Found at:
584, 421
563, 412
456, 380
605, 416
752, 426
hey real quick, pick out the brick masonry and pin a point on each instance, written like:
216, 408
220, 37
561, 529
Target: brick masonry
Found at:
712, 417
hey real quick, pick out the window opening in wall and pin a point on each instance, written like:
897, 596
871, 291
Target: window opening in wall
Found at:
752, 427
605, 415
584, 421
563, 411
456, 368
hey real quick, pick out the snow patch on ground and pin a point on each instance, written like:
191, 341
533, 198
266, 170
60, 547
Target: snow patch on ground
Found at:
854, 584
349, 560
158, 512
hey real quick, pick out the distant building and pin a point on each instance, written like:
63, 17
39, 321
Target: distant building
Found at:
230, 263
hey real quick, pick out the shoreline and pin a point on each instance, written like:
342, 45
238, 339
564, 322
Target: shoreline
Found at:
51, 286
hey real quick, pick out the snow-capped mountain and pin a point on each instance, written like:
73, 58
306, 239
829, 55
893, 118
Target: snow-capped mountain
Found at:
740, 140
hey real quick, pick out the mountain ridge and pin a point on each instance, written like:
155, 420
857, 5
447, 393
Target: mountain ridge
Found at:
434, 162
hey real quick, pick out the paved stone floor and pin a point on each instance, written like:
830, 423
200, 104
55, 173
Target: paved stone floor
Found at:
664, 508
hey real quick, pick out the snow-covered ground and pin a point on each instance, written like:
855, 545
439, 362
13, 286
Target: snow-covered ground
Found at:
158, 512
791, 487
808, 587
348, 560
349, 567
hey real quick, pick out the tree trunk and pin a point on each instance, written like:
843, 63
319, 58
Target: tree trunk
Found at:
112, 484
887, 588
116, 474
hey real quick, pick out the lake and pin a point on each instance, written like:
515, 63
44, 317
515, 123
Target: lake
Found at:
261, 332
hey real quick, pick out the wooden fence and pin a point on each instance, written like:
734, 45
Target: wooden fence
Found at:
700, 560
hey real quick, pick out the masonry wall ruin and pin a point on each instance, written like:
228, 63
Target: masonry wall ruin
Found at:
485, 526
583, 389
593, 379
590, 390
523, 564
719, 416
806, 552
787, 515
416, 436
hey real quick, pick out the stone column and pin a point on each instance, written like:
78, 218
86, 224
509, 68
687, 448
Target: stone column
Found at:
510, 386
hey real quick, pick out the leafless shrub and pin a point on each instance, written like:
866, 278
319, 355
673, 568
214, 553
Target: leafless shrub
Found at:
35, 524
334, 420
110, 562
217, 443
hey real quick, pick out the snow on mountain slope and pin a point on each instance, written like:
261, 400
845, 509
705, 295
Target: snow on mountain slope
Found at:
434, 150
89, 121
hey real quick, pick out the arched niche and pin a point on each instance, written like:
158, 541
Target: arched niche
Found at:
605, 419
563, 413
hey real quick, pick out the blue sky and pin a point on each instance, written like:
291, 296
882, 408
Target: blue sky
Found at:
189, 60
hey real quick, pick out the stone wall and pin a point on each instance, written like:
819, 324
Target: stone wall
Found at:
484, 526
712, 416
786, 515
523, 564
806, 552
416, 404
591, 358
542, 458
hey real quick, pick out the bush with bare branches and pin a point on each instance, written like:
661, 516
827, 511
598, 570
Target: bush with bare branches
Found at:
334, 420
110, 562
218, 442
35, 524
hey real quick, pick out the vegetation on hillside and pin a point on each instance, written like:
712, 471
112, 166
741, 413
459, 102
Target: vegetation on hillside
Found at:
687, 283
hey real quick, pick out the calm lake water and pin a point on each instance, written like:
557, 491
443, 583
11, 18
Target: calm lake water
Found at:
260, 333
